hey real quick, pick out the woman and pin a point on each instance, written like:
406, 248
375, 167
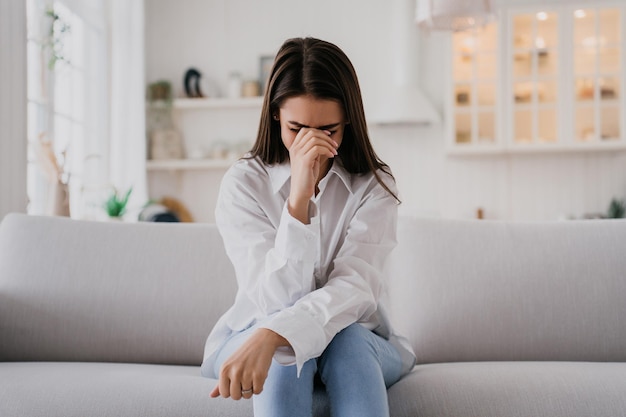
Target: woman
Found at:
307, 219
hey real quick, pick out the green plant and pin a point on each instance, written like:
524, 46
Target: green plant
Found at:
116, 203
55, 39
617, 209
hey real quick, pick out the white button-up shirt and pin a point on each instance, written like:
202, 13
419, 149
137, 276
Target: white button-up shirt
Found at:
306, 282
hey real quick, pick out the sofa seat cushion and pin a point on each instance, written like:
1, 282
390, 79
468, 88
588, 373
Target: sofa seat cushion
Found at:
512, 389
81, 389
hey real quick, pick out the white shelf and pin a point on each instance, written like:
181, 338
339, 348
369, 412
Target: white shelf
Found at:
188, 164
535, 148
218, 103
210, 103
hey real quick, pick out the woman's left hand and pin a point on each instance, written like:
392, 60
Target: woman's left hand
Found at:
245, 371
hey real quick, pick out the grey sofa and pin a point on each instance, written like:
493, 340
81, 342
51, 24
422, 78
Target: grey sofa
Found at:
507, 319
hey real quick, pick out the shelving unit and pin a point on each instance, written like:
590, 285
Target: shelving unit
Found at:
215, 132
205, 123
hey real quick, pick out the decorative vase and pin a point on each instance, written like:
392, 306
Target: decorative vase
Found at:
60, 199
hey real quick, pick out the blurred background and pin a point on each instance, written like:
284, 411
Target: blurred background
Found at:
501, 110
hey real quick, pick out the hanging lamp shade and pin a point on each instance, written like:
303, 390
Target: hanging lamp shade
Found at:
453, 15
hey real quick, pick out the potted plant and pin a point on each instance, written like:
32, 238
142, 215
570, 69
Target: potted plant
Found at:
617, 209
115, 205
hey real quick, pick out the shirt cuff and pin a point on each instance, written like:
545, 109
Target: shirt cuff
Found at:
296, 240
304, 334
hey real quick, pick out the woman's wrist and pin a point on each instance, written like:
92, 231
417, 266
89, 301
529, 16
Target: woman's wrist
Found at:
299, 209
274, 338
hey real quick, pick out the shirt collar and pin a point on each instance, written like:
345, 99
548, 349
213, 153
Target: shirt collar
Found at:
279, 174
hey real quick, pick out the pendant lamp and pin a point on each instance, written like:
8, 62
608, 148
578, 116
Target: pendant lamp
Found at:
453, 15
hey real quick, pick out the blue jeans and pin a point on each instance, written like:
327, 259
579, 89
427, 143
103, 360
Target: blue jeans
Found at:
356, 368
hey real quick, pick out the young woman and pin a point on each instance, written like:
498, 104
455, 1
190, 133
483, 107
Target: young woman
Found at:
307, 219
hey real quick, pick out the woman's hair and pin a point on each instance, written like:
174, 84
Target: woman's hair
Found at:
308, 66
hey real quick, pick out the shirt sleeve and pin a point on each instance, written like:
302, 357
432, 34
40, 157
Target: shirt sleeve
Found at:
272, 272
354, 285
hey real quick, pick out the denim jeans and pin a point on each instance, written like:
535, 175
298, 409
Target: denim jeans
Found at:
356, 368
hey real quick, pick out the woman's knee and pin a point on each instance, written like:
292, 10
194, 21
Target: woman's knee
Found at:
350, 348
354, 339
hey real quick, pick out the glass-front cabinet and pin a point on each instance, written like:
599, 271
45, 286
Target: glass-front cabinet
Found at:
597, 74
534, 71
541, 79
475, 67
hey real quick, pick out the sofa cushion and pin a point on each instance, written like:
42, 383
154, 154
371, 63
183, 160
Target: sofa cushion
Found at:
487, 290
55, 389
512, 389
488, 389
91, 291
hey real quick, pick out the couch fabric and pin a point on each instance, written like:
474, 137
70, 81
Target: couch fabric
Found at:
506, 319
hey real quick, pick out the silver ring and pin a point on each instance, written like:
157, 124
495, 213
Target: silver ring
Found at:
246, 391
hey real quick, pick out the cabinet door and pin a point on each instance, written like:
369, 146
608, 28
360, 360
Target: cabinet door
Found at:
597, 48
534, 68
475, 76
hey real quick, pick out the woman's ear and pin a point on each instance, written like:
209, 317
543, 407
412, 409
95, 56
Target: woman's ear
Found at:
275, 117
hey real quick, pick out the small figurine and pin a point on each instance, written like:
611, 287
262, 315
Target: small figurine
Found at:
192, 83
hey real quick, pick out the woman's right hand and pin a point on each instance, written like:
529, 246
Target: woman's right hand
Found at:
245, 371
309, 154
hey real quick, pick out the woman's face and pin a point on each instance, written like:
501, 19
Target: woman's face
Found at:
309, 112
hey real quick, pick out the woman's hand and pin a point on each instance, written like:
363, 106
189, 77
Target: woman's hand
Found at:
308, 155
244, 373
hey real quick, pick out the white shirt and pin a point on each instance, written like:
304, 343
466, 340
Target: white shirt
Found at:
306, 282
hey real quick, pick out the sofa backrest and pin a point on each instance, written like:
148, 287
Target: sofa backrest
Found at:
92, 291
489, 290
458, 290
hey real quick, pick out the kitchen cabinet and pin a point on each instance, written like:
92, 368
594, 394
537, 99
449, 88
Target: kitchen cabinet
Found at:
475, 80
540, 79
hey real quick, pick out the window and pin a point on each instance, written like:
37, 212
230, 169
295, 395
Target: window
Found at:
66, 101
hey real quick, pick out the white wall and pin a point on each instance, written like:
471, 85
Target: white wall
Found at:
12, 107
220, 36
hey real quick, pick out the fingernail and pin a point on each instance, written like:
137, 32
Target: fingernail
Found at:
327, 132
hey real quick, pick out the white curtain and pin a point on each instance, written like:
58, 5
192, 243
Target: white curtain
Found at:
12, 106
127, 152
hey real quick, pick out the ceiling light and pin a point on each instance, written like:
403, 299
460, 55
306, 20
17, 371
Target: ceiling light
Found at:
580, 14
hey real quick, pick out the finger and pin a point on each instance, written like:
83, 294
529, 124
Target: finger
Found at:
257, 383
216, 392
316, 138
319, 149
333, 141
224, 385
247, 392
235, 389
305, 135
299, 140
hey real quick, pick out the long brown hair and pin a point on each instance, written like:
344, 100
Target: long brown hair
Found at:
308, 66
